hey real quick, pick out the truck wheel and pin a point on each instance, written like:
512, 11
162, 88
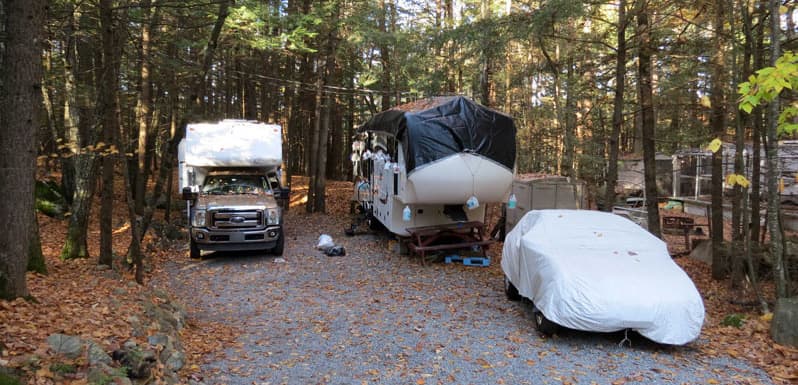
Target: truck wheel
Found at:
278, 248
511, 290
194, 251
543, 324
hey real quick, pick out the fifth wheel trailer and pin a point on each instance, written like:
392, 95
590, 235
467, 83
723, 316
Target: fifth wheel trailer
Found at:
437, 161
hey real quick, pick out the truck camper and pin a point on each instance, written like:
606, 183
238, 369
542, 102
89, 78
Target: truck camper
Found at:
434, 162
230, 177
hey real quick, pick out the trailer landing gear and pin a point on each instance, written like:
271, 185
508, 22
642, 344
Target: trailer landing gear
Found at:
363, 216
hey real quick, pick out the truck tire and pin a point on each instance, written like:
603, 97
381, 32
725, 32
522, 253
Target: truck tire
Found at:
278, 248
193, 250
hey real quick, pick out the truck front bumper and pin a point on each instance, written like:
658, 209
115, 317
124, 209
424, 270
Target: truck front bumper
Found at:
262, 239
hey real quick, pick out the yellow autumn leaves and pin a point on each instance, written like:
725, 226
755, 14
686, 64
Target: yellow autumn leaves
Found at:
731, 179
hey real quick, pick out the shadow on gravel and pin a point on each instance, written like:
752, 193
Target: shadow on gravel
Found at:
235, 257
631, 340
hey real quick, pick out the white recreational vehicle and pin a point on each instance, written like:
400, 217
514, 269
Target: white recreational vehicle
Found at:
229, 174
433, 162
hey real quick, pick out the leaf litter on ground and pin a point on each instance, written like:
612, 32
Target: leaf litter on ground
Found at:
78, 297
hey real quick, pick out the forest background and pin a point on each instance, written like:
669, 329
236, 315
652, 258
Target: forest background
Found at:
94, 88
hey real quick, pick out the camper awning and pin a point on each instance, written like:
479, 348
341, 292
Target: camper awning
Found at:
434, 128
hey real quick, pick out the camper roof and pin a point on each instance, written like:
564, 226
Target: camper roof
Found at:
434, 128
233, 143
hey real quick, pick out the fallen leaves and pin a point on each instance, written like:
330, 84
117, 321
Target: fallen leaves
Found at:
751, 341
78, 298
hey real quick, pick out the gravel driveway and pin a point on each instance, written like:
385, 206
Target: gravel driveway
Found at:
376, 317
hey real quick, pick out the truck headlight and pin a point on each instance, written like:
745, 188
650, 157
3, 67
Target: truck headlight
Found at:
272, 216
199, 218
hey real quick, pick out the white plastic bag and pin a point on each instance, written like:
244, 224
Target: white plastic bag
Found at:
325, 242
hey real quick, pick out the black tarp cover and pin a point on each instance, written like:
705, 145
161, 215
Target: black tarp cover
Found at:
435, 128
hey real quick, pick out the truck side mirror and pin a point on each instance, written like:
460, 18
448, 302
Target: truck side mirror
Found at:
189, 194
282, 193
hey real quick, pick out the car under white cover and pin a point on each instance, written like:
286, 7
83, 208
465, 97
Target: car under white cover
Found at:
597, 271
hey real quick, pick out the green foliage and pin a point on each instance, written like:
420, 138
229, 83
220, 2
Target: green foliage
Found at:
736, 320
63, 368
7, 379
767, 84
49, 199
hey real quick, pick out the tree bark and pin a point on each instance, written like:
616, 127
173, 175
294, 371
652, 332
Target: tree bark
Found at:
757, 134
136, 259
646, 50
320, 188
774, 224
485, 80
144, 104
717, 123
83, 133
20, 103
313, 147
569, 138
739, 255
617, 114
36, 260
385, 55
108, 110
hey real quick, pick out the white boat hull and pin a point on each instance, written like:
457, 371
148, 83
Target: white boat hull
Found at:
455, 179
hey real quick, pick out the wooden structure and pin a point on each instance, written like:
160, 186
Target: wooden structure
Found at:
684, 225
460, 235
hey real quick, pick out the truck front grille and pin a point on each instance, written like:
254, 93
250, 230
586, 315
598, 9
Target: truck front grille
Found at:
237, 219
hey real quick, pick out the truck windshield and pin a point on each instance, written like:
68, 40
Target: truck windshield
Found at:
233, 184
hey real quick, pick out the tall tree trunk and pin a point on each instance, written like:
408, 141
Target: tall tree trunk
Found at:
741, 251
20, 103
320, 137
173, 108
313, 147
569, 138
385, 55
449, 46
617, 114
485, 81
69, 132
144, 104
107, 107
717, 123
757, 132
135, 256
84, 134
320, 187
49, 107
646, 48
774, 224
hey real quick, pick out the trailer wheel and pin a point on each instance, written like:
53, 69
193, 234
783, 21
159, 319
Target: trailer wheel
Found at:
511, 290
194, 251
278, 248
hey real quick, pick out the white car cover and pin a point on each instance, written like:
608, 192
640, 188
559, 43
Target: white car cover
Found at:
597, 271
